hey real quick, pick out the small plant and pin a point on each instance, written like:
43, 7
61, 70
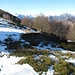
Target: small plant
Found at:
64, 68
40, 60
40, 65
67, 46
26, 52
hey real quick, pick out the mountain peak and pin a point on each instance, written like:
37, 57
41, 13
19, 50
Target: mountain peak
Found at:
64, 16
21, 16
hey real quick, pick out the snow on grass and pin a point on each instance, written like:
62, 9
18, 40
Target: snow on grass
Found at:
6, 33
25, 42
2, 21
7, 64
66, 51
2, 29
53, 57
71, 60
41, 46
49, 72
3, 49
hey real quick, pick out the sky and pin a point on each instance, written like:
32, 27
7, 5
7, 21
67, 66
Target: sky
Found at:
35, 7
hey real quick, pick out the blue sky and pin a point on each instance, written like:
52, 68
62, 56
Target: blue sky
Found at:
35, 7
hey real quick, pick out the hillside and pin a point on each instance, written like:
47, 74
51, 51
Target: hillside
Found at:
24, 51
9, 16
11, 40
33, 53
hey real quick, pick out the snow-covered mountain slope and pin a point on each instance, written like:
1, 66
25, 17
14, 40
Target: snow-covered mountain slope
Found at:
8, 30
6, 33
7, 64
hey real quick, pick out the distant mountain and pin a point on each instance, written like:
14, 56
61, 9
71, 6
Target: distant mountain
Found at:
17, 18
20, 16
64, 16
9, 16
29, 16
61, 17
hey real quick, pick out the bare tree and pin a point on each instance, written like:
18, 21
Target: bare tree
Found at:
26, 21
41, 23
71, 33
59, 29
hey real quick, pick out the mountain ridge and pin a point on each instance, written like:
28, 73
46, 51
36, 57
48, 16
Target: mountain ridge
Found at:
7, 15
61, 17
21, 16
18, 17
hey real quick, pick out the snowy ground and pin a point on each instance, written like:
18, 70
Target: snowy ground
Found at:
41, 46
8, 67
7, 64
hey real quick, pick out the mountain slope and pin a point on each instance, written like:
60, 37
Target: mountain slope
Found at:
7, 63
9, 16
9, 36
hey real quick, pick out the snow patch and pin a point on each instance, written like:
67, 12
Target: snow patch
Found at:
71, 60
8, 67
49, 72
7, 64
2, 29
53, 57
41, 46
